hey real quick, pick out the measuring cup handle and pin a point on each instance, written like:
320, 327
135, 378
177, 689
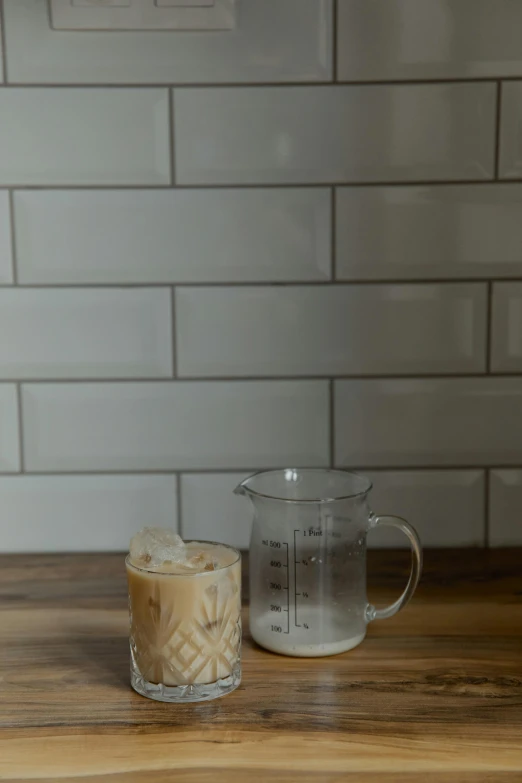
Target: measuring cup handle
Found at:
416, 566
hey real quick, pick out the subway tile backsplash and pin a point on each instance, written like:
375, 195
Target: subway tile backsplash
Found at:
505, 499
274, 41
171, 426
173, 236
428, 39
89, 333
297, 243
321, 134
506, 327
331, 330
208, 504
510, 165
431, 500
9, 429
6, 263
70, 513
429, 232
428, 422
1, 52
62, 136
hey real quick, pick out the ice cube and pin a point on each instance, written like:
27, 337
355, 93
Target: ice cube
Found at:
202, 562
222, 590
153, 546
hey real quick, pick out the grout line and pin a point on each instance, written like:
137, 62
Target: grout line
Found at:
179, 512
275, 185
49, 14
20, 426
137, 472
377, 377
425, 468
486, 507
339, 283
489, 327
496, 162
3, 42
335, 18
14, 260
172, 138
245, 470
174, 332
331, 420
223, 85
333, 238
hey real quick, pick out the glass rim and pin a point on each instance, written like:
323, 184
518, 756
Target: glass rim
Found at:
190, 574
318, 471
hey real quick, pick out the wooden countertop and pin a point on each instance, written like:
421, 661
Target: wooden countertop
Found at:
433, 694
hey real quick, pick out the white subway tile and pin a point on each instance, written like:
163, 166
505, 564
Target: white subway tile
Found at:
210, 510
94, 333
444, 231
506, 328
505, 503
429, 422
432, 39
133, 426
510, 163
1, 49
446, 507
120, 236
82, 137
322, 134
82, 513
338, 329
9, 434
276, 40
6, 264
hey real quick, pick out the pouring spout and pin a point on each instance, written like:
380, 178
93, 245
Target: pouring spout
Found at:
244, 487
240, 490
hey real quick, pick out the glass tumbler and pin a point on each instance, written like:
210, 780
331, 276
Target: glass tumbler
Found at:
185, 628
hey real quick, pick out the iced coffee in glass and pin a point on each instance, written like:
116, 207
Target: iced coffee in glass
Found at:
185, 617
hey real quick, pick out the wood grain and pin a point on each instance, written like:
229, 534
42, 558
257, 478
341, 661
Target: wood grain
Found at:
433, 694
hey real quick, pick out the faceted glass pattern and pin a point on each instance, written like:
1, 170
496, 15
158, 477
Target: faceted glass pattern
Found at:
185, 633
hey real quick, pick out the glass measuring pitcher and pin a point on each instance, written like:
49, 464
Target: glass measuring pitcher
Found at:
308, 560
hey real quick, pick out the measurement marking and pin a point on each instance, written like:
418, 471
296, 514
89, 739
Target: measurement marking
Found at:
295, 581
287, 610
324, 542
